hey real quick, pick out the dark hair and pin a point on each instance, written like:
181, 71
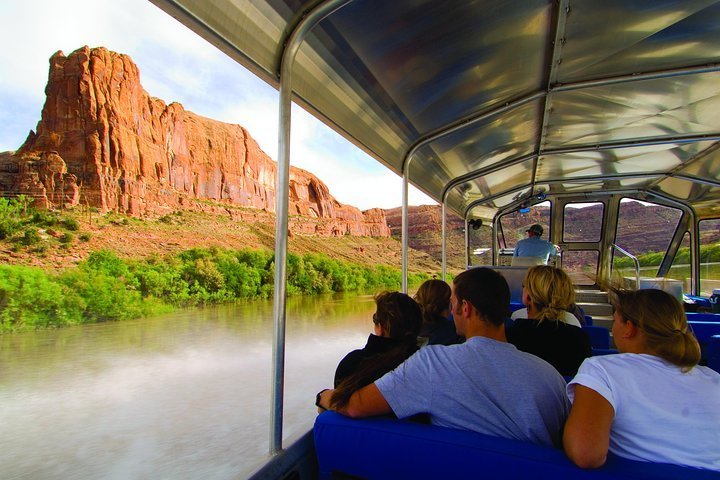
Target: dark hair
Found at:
401, 318
398, 314
662, 319
487, 291
433, 296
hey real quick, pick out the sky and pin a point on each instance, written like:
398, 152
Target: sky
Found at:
176, 65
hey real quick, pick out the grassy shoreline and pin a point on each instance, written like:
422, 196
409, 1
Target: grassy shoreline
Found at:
105, 287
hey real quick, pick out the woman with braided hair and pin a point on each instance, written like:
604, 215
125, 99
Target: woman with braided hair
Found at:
547, 332
651, 402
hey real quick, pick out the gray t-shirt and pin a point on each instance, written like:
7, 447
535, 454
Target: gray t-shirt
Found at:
481, 385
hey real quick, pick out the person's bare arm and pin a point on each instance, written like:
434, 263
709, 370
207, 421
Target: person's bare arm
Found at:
366, 402
587, 432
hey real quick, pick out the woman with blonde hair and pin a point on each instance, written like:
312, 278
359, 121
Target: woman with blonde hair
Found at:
433, 296
651, 402
548, 292
547, 332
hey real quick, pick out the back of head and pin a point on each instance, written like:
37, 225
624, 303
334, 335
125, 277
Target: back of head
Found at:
661, 317
398, 314
487, 291
535, 230
433, 296
550, 290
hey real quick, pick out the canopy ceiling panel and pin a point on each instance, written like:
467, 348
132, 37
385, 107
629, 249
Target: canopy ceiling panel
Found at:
516, 177
494, 183
668, 107
618, 161
619, 37
441, 61
706, 165
477, 147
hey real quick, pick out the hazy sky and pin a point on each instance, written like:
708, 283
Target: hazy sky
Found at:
175, 65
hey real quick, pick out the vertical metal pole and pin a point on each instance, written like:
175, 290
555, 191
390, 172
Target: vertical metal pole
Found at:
406, 181
282, 187
444, 242
467, 243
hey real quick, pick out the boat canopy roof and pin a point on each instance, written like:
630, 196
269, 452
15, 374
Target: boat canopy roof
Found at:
490, 103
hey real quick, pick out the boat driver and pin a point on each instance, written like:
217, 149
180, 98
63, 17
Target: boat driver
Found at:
535, 247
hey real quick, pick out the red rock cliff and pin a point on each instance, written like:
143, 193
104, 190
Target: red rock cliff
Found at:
103, 141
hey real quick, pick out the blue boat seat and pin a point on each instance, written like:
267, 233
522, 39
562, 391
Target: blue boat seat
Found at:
603, 351
599, 336
385, 448
704, 332
713, 353
703, 317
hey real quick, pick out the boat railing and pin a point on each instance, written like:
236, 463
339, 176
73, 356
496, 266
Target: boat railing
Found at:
614, 247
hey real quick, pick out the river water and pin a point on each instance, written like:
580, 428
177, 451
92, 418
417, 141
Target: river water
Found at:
181, 396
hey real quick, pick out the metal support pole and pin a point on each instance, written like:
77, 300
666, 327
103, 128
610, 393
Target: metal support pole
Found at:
404, 234
467, 244
282, 187
444, 242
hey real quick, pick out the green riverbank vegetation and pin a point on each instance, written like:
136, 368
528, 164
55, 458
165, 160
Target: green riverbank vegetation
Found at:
105, 287
708, 254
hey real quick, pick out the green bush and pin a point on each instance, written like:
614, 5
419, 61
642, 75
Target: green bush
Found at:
71, 224
10, 215
31, 236
85, 236
44, 218
30, 298
66, 238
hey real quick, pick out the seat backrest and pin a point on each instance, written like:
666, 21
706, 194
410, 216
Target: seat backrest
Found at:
527, 261
703, 317
599, 336
712, 353
704, 330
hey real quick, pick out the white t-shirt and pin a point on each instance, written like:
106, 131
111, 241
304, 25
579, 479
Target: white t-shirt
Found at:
566, 317
661, 414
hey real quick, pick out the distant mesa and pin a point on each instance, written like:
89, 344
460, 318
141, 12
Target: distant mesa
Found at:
104, 142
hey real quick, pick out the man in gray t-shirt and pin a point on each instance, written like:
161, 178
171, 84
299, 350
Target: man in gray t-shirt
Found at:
485, 385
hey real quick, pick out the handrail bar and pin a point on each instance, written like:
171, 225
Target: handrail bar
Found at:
632, 257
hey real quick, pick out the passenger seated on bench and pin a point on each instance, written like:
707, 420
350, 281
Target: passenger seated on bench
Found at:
485, 384
433, 296
550, 331
397, 321
651, 402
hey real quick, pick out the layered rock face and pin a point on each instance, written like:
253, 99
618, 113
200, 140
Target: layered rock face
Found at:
103, 141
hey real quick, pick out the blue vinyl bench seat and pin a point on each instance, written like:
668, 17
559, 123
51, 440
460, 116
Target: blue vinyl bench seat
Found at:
385, 448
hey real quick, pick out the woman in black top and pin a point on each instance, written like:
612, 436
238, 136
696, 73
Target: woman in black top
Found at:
397, 323
433, 296
548, 292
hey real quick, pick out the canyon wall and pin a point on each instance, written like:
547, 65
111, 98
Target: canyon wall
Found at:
103, 141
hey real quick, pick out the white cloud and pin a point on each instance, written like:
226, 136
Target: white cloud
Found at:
175, 65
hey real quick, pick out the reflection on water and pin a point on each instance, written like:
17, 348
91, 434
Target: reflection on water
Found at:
185, 395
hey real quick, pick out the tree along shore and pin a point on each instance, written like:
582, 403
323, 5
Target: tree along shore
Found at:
105, 287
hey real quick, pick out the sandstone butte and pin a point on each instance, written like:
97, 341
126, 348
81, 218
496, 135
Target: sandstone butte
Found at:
104, 142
